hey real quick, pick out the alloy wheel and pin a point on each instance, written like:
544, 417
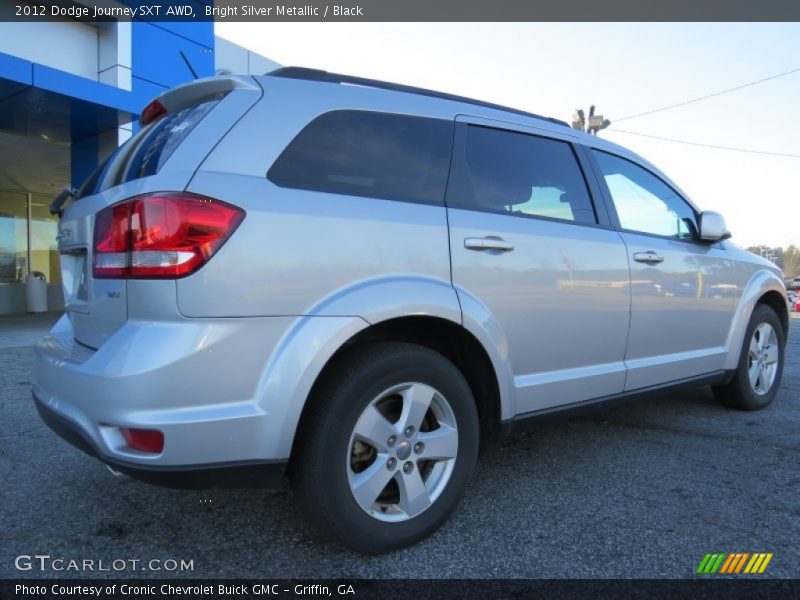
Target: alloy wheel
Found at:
402, 452
763, 359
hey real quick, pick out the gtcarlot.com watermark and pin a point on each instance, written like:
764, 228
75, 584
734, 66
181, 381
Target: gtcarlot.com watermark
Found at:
46, 563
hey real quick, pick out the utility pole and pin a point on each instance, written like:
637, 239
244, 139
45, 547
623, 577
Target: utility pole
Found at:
770, 254
595, 122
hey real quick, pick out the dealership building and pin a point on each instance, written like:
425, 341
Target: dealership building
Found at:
70, 93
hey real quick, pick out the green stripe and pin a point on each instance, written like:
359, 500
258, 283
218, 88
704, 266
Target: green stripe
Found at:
718, 563
701, 568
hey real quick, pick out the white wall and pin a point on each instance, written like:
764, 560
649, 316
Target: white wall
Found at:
114, 55
240, 60
97, 51
68, 46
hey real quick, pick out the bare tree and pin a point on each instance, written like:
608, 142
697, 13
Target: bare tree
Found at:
791, 262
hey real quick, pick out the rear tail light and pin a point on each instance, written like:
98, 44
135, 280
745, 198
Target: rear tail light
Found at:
161, 235
144, 440
152, 112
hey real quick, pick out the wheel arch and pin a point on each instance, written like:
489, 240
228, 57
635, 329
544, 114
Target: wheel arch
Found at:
777, 302
402, 307
444, 336
763, 287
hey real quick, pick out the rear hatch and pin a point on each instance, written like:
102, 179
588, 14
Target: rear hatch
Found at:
177, 132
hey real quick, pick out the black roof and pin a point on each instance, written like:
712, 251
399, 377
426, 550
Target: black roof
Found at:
324, 76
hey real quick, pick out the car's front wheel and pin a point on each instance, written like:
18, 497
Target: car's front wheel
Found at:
758, 374
387, 448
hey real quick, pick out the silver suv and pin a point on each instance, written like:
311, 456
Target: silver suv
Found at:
355, 282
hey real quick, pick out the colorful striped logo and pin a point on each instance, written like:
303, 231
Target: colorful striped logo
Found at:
734, 563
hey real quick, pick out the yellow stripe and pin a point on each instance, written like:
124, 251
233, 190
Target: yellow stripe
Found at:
728, 561
761, 558
741, 562
752, 563
765, 563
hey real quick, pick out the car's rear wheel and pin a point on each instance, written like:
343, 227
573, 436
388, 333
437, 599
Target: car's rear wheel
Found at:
387, 448
758, 374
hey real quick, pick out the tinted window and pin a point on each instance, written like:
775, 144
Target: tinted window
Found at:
90, 185
373, 154
161, 139
643, 202
147, 151
519, 174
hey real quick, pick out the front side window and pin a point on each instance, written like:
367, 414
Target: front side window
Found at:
363, 153
519, 174
643, 202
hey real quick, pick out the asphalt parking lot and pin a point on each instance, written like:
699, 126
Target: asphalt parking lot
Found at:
641, 490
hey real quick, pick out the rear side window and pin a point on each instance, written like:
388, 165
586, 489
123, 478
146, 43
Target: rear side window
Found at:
519, 174
361, 153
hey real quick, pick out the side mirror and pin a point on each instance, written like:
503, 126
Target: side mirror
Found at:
712, 227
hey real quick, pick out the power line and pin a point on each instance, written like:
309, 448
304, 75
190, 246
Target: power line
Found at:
720, 93
666, 139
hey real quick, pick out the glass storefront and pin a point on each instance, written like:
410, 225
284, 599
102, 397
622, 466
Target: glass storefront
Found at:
13, 236
21, 243
44, 247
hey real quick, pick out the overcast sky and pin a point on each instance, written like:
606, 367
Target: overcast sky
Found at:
624, 69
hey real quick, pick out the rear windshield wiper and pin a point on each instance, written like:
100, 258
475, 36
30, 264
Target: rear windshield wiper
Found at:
57, 205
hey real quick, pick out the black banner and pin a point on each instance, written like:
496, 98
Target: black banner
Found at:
402, 10
360, 589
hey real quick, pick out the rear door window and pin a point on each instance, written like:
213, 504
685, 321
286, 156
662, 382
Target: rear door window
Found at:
363, 153
519, 174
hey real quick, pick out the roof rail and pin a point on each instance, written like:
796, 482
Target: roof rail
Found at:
324, 76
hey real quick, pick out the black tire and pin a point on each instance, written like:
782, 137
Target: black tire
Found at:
739, 392
319, 471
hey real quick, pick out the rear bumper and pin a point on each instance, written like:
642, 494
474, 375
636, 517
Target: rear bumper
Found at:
246, 474
224, 392
197, 381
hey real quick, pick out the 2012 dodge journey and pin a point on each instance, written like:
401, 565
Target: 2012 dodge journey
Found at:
355, 283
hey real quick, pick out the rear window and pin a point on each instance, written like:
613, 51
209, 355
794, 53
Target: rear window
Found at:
361, 153
90, 186
146, 152
160, 140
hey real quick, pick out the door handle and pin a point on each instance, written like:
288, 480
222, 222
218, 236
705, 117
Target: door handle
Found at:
488, 243
649, 257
